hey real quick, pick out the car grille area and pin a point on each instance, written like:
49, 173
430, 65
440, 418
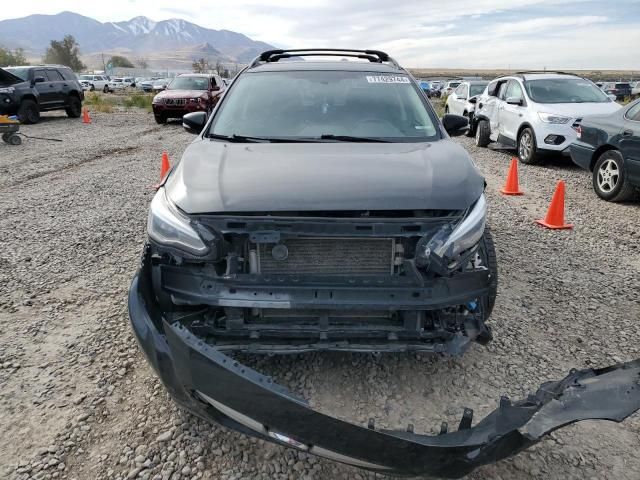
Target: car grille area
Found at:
175, 101
328, 256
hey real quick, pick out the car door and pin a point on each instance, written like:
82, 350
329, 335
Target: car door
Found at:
496, 105
60, 86
458, 100
511, 110
630, 143
45, 88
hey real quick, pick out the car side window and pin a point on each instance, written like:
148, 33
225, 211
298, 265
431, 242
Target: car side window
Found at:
514, 90
634, 113
492, 89
501, 91
54, 76
213, 82
459, 91
39, 73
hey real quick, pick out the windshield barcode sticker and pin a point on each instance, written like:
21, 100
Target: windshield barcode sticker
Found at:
387, 79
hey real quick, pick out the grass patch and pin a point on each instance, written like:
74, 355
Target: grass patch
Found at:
138, 100
98, 102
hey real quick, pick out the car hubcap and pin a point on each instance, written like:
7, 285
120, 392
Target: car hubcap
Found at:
608, 175
525, 145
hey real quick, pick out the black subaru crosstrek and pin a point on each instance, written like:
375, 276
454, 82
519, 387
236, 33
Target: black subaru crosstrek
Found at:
324, 207
27, 91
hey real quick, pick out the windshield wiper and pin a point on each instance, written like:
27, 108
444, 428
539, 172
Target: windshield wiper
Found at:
349, 138
248, 138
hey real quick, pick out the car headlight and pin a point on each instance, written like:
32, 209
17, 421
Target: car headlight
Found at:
168, 226
553, 118
7, 90
445, 247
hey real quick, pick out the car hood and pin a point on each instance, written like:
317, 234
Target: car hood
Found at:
578, 110
216, 176
7, 78
181, 93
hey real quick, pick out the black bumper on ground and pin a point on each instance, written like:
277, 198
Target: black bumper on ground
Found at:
217, 388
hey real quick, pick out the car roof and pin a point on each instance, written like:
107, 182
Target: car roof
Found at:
300, 65
207, 75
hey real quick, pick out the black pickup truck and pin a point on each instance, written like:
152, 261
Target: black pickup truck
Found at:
27, 91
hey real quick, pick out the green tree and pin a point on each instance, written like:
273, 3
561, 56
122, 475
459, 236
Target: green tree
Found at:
65, 52
119, 61
15, 57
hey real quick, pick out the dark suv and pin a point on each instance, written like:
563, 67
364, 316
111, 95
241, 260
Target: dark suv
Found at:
27, 91
323, 206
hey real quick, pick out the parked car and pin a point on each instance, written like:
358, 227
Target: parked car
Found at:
26, 91
186, 93
323, 206
609, 147
635, 89
117, 84
160, 84
462, 100
449, 87
94, 82
621, 90
533, 112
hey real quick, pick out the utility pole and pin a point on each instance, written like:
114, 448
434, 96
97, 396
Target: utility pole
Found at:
104, 67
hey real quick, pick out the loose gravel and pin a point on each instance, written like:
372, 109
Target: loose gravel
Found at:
78, 401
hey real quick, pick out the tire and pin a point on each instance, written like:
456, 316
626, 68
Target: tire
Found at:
28, 112
527, 150
5, 137
160, 119
490, 260
74, 107
92, 87
609, 178
14, 140
105, 89
482, 134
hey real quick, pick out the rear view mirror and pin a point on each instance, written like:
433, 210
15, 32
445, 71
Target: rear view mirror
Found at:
455, 124
215, 88
514, 101
473, 99
38, 80
194, 122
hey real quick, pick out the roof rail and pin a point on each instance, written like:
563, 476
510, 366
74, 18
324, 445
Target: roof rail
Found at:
544, 71
376, 56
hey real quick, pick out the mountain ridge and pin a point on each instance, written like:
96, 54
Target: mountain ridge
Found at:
139, 36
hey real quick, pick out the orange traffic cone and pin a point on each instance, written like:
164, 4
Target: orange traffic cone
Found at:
85, 116
512, 187
555, 214
164, 169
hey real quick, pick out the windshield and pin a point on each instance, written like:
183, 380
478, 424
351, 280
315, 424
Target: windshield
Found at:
454, 84
623, 85
86, 77
564, 90
22, 73
477, 89
312, 104
189, 83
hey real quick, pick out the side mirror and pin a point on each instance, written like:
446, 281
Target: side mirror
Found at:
514, 100
194, 122
38, 80
473, 100
455, 124
215, 88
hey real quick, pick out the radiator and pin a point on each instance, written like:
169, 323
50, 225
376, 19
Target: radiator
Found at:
329, 256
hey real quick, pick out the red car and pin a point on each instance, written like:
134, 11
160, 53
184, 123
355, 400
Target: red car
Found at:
191, 92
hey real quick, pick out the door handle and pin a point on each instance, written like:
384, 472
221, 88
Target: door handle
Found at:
627, 133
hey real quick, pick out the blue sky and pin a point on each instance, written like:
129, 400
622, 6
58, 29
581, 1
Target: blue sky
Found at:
457, 34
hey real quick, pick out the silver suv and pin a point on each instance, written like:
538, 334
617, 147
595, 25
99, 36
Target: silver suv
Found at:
534, 112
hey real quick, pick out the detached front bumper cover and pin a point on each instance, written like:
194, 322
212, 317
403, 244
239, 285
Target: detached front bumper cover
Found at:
215, 387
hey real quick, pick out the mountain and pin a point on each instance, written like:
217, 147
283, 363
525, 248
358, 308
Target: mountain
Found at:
138, 36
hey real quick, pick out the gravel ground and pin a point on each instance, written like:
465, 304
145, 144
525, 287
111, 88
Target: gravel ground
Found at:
78, 401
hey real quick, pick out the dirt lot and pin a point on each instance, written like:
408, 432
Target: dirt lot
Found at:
78, 401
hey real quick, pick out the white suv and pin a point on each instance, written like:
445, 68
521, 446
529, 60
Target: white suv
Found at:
534, 112
94, 82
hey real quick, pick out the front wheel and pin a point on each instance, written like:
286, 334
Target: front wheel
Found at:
29, 112
472, 131
105, 89
160, 119
609, 178
482, 133
527, 149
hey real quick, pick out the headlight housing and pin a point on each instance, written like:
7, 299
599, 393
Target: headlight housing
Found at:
7, 90
168, 226
444, 250
553, 118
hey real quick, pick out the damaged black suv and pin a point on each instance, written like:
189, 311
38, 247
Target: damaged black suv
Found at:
322, 206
